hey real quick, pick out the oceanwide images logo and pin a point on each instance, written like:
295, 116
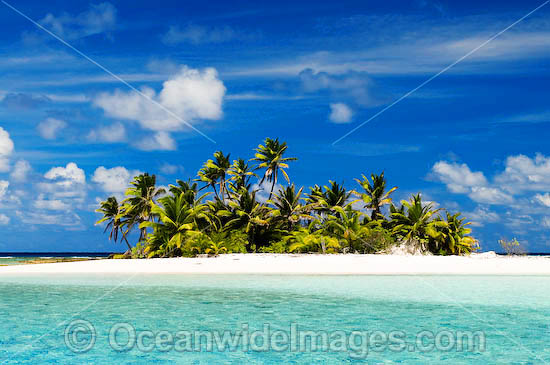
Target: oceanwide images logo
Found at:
81, 337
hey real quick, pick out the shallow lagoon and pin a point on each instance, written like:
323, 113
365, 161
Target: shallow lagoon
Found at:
512, 312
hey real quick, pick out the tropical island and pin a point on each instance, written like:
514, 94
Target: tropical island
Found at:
221, 212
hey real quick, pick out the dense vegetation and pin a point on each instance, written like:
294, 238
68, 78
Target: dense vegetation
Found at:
182, 221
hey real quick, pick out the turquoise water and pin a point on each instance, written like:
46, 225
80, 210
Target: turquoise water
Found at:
513, 313
22, 258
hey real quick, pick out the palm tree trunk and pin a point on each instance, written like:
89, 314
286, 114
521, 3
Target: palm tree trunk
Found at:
215, 191
272, 187
125, 240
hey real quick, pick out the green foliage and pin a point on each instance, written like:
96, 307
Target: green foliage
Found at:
270, 157
512, 247
138, 251
182, 222
112, 214
375, 195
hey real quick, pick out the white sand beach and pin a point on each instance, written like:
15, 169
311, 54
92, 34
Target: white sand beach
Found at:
476, 264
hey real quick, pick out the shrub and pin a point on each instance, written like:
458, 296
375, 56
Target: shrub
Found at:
512, 247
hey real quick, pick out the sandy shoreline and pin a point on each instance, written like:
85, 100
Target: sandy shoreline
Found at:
480, 264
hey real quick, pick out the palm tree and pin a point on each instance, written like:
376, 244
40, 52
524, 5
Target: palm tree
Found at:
325, 199
209, 176
416, 223
310, 239
215, 171
240, 174
288, 208
112, 215
270, 158
375, 195
347, 227
189, 190
453, 236
249, 215
176, 220
141, 199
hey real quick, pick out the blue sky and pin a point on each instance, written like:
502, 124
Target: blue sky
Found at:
475, 139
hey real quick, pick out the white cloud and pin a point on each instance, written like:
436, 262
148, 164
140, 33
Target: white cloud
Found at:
543, 199
60, 194
519, 222
69, 98
169, 169
353, 85
540, 117
71, 172
197, 34
66, 183
54, 204
405, 45
8, 199
545, 222
4, 220
6, 149
458, 177
50, 127
340, 113
112, 133
481, 215
97, 19
3, 188
525, 174
191, 94
461, 180
113, 180
262, 191
160, 141
488, 195
20, 171
67, 220
521, 174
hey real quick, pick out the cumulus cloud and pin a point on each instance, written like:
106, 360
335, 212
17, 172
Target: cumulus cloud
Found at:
50, 127
59, 195
66, 183
3, 188
6, 149
340, 113
191, 94
71, 172
488, 195
481, 215
160, 141
20, 171
112, 133
197, 34
113, 180
522, 173
4, 220
97, 19
458, 177
53, 204
512, 188
543, 199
